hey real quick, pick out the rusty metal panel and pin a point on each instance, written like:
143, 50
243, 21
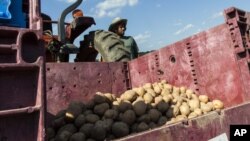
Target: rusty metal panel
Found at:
22, 101
205, 62
171, 63
177, 64
215, 66
139, 70
238, 22
67, 82
20, 127
120, 77
22, 79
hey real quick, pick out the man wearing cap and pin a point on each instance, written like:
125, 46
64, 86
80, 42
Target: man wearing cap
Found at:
118, 26
75, 14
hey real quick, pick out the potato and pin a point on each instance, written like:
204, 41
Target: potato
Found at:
179, 102
133, 128
140, 91
111, 114
184, 109
99, 98
192, 115
106, 124
194, 104
167, 98
151, 91
147, 85
181, 117
120, 129
176, 90
154, 115
148, 98
100, 109
129, 117
144, 118
77, 137
63, 136
139, 107
59, 122
98, 133
74, 109
183, 90
152, 125
173, 120
203, 98
206, 107
162, 120
139, 98
87, 128
163, 82
80, 120
124, 105
184, 95
68, 127
50, 133
165, 91
217, 104
194, 96
115, 105
169, 87
158, 99
198, 111
189, 93
87, 112
142, 127
156, 88
162, 106
92, 118
110, 137
110, 97
129, 95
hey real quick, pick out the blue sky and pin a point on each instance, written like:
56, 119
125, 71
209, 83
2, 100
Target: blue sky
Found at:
153, 23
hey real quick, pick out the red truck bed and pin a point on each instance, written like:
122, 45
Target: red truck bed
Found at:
215, 62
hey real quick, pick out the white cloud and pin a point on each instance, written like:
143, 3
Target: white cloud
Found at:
184, 29
141, 38
68, 1
213, 17
178, 22
217, 15
132, 2
111, 8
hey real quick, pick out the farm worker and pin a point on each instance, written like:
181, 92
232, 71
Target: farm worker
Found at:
75, 14
118, 26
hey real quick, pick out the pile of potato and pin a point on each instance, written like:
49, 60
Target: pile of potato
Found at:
108, 117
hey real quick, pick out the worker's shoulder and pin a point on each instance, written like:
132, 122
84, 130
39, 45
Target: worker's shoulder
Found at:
127, 38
